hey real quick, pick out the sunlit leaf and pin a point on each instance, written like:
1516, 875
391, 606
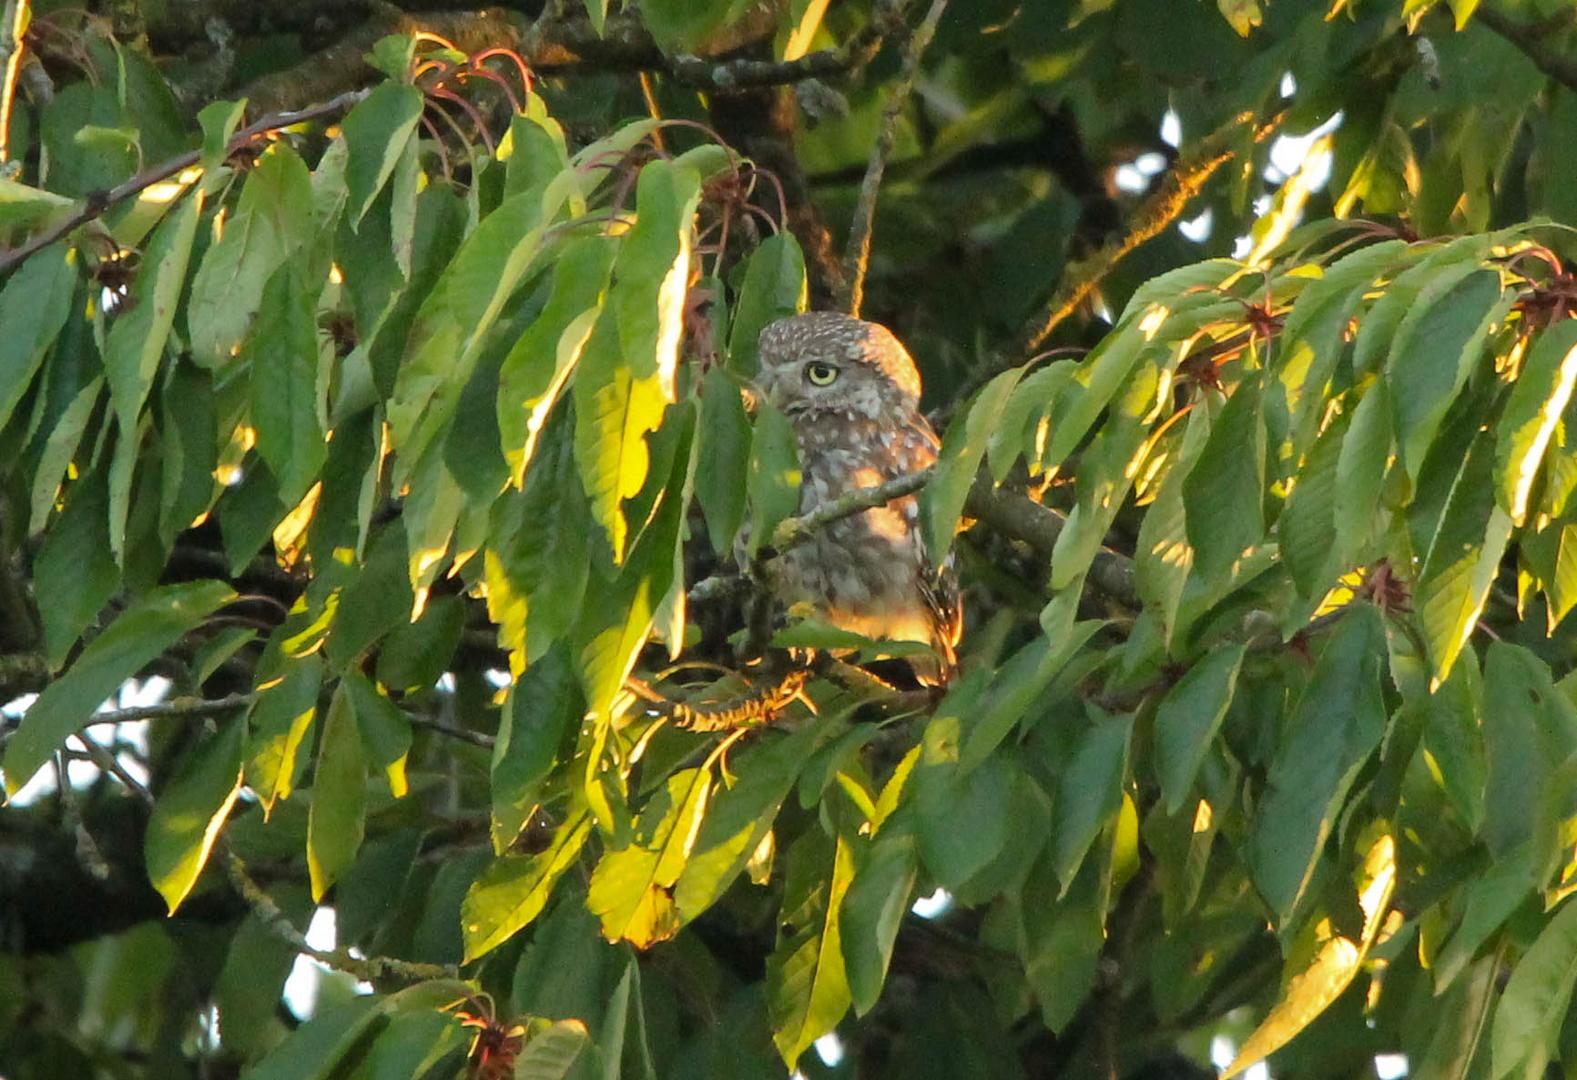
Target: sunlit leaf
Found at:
1538, 398
339, 797
190, 812
514, 889
807, 988
631, 890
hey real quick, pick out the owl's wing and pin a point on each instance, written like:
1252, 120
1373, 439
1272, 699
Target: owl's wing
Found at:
917, 447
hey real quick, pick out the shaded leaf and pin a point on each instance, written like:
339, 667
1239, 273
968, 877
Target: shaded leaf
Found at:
190, 812
339, 797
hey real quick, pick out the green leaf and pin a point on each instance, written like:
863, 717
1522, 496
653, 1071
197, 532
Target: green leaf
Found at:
962, 452
188, 423
741, 815
1437, 344
1335, 726
551, 1052
256, 965
1334, 963
280, 720
1307, 529
148, 626
773, 474
614, 411
722, 472
1530, 1014
652, 272
337, 819
1538, 398
190, 812
1360, 470
534, 594
1089, 792
282, 355
1313, 337
75, 568
33, 308
963, 818
1462, 561
807, 989
1488, 901
1098, 378
376, 132
1529, 730
631, 890
138, 336
268, 226
513, 890
22, 207
542, 361
1188, 719
774, 288
871, 913
413, 657
1225, 489
412, 1043
218, 120
385, 731
316, 1048
543, 706
377, 601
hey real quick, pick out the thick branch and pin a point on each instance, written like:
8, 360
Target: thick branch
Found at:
1533, 41
99, 202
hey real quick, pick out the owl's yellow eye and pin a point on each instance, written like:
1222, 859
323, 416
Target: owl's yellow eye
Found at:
821, 374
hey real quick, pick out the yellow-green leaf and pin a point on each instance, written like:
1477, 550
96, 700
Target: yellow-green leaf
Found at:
190, 812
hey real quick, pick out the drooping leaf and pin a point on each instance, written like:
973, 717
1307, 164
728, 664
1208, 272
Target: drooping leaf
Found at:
1437, 343
1188, 719
190, 812
1331, 732
542, 361
1090, 791
544, 704
1538, 398
282, 356
807, 988
1462, 561
268, 226
962, 453
1334, 964
652, 272
376, 132
339, 797
774, 287
1224, 492
631, 890
877, 900
1530, 1013
136, 340
148, 626
514, 889
385, 731
721, 473
773, 475
279, 722
34, 305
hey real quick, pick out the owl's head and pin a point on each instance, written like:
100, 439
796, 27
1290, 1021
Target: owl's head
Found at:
823, 362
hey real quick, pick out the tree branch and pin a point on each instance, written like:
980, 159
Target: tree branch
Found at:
1160, 210
1533, 41
99, 202
858, 253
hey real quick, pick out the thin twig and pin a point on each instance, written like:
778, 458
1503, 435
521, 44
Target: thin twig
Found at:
98, 202
368, 969
475, 738
1157, 212
190, 708
796, 530
857, 256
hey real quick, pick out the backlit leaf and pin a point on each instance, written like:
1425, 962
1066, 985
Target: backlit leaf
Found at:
190, 812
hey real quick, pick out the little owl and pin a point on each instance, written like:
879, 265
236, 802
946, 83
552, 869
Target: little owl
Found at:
852, 393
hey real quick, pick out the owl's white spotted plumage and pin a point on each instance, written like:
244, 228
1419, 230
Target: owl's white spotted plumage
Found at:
852, 392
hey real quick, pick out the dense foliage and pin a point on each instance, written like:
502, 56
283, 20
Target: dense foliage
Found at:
382, 391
